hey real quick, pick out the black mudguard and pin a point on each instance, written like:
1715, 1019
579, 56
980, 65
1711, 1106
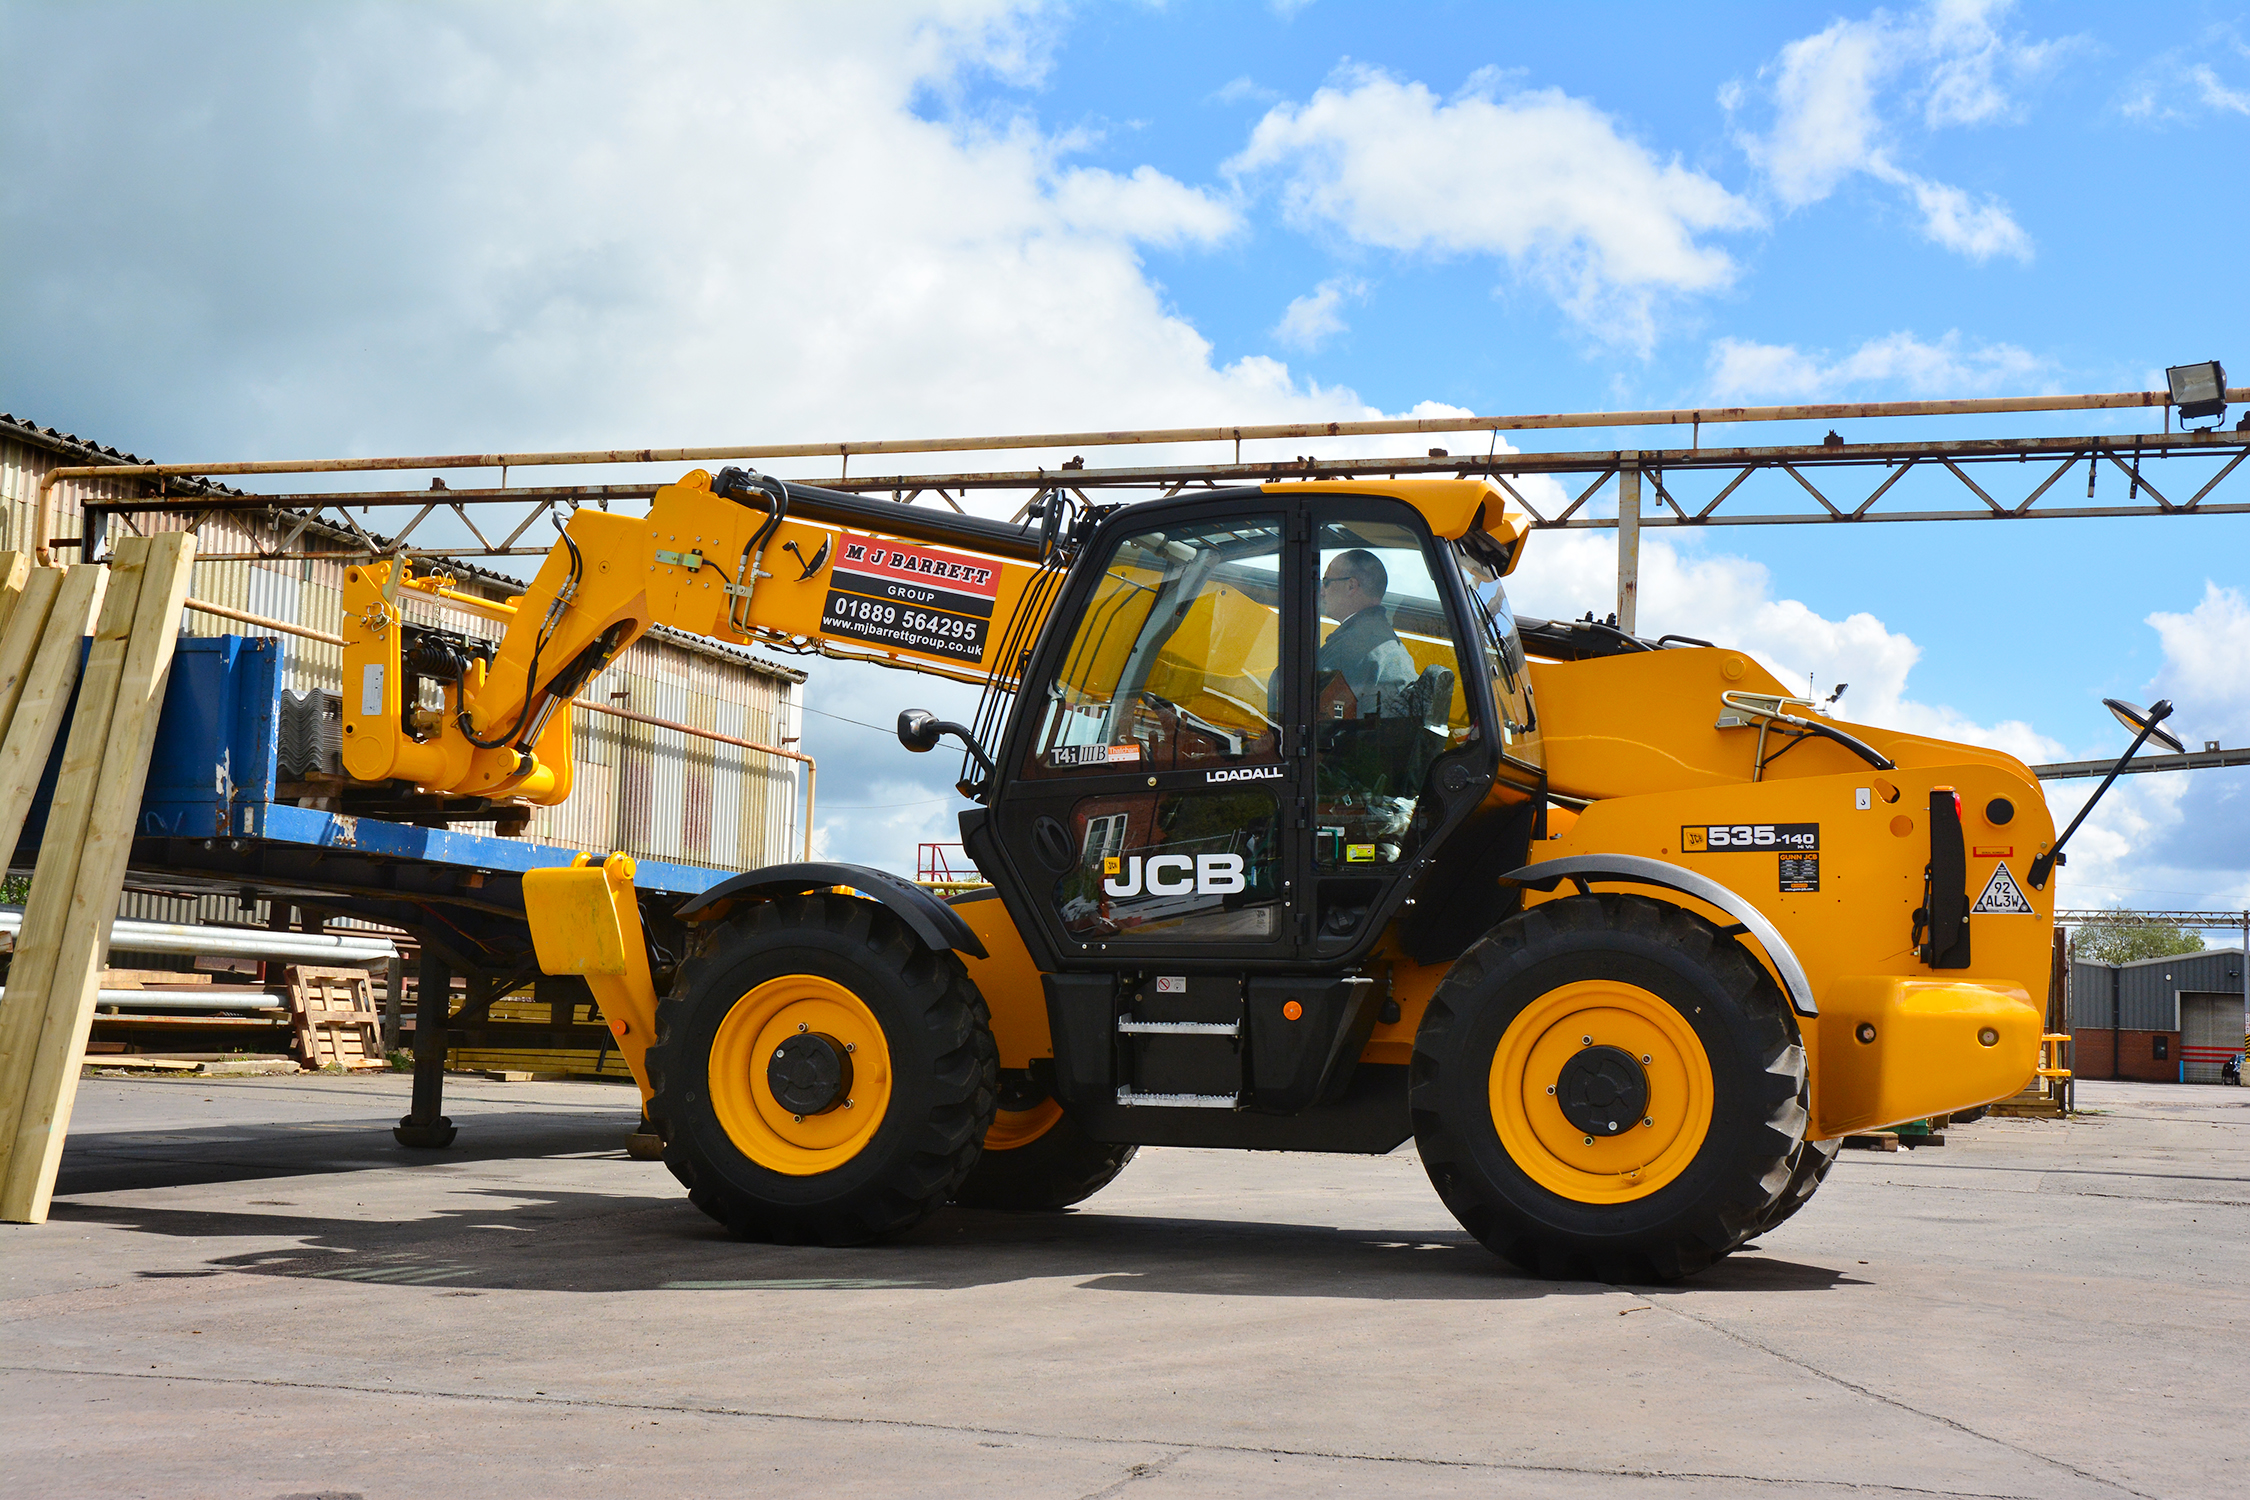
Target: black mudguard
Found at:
937, 925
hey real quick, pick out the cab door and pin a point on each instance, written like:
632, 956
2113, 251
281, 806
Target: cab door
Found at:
1152, 779
1401, 722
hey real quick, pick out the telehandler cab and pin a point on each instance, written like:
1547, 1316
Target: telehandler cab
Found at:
1298, 840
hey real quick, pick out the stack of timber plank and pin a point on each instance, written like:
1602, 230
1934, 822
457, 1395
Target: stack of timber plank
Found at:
570, 1062
80, 870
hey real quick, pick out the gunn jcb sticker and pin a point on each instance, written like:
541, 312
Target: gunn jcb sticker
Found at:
1750, 838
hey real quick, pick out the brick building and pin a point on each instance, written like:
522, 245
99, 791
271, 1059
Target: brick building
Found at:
2159, 1020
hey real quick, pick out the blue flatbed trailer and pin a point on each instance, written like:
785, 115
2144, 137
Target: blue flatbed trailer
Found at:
212, 822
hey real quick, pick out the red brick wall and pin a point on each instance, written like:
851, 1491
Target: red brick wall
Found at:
2089, 1054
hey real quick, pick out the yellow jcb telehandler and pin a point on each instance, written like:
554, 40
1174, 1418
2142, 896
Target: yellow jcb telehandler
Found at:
1298, 840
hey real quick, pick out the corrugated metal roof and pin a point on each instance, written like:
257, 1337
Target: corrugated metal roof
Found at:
24, 430
2201, 954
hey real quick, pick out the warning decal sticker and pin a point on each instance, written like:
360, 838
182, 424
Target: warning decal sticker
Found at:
2002, 896
910, 598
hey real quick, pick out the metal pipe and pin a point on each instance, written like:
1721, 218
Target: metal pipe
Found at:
1565, 461
224, 942
192, 999
2193, 760
204, 606
1677, 417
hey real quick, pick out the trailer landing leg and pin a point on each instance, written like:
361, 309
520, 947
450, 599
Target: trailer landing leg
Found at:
424, 1126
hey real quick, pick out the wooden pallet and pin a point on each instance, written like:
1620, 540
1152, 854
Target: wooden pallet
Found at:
2033, 1103
332, 1012
2047, 1097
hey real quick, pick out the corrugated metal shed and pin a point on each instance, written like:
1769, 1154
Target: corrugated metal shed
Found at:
2147, 991
652, 793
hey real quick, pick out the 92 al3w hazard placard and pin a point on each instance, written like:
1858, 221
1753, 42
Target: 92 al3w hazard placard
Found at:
910, 598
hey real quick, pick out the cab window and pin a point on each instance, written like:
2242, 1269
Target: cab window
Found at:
1174, 663
1502, 648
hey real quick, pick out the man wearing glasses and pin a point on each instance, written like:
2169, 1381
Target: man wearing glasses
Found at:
1362, 648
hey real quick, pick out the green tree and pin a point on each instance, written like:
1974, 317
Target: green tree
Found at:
2121, 941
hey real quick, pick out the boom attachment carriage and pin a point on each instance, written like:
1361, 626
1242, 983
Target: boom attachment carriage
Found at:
744, 560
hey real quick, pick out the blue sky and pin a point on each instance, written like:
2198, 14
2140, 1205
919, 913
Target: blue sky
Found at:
277, 230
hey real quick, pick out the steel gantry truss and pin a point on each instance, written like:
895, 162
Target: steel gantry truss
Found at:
2192, 921
1830, 482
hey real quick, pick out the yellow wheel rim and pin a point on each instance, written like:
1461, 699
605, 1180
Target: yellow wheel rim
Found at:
760, 1126
1020, 1127
1542, 1141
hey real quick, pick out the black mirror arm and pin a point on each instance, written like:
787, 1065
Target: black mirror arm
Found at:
2045, 864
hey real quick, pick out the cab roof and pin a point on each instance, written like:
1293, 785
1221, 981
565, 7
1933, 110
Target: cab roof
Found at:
1452, 507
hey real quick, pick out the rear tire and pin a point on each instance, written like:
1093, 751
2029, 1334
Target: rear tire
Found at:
1037, 1157
1637, 982
915, 1092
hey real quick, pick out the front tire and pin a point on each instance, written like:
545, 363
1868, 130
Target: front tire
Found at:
1607, 1087
819, 1076
1809, 1166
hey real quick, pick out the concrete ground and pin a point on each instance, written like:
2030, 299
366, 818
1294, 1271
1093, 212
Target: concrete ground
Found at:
247, 1290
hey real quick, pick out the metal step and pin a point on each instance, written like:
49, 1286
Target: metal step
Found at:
1127, 1097
1132, 1027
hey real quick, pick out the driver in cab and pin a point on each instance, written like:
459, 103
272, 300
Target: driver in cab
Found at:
1362, 649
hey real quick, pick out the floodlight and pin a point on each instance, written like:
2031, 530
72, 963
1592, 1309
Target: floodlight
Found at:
2199, 391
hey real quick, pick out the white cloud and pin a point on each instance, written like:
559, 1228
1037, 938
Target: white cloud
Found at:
2217, 94
1897, 362
1973, 59
1977, 230
1313, 319
1841, 96
473, 255
1244, 90
2181, 85
1825, 125
1146, 206
2204, 654
1542, 180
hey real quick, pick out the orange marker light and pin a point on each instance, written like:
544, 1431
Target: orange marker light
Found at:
1291, 1010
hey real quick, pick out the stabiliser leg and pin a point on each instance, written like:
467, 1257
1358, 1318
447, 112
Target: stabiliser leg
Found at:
424, 1125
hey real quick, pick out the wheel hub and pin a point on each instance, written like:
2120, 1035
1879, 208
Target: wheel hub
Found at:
809, 1073
1602, 1090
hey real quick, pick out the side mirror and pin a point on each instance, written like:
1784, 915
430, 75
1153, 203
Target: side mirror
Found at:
2143, 721
919, 730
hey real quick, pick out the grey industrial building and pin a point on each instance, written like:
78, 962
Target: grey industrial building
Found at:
2161, 1020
